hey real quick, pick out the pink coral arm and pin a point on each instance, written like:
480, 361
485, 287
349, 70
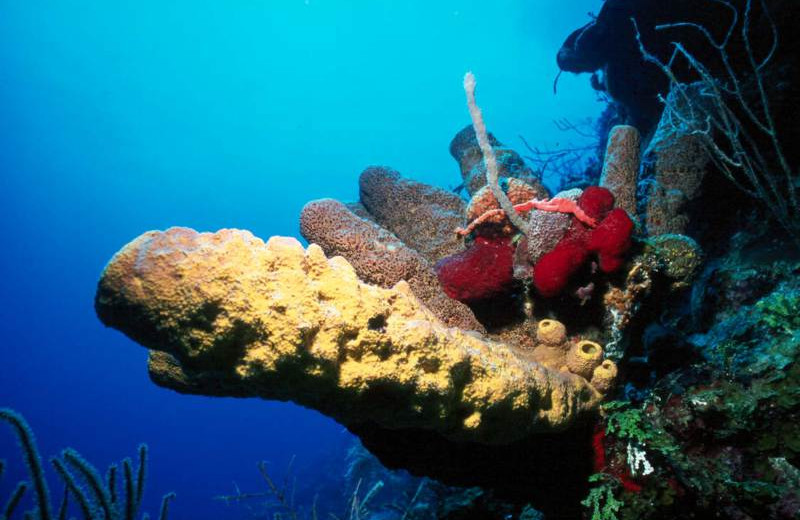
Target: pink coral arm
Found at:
558, 204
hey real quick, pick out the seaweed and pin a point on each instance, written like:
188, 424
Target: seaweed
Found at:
719, 437
96, 497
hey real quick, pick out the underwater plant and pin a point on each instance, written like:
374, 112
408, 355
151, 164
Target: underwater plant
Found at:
97, 498
279, 501
730, 109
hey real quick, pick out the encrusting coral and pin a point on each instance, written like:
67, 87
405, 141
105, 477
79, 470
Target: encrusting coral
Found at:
240, 317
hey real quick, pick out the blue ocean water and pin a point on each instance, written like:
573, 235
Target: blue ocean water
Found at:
121, 117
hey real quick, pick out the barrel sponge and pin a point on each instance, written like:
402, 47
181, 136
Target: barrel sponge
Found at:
551, 332
604, 376
583, 357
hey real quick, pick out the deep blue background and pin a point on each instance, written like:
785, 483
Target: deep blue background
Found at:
120, 117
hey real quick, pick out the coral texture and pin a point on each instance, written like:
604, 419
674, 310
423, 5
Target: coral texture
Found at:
621, 167
420, 215
483, 270
232, 315
379, 257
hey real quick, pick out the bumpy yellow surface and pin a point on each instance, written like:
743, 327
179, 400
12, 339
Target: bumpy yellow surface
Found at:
227, 314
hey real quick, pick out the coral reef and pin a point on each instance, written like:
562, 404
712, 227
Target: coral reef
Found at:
720, 436
226, 314
361, 327
518, 341
607, 47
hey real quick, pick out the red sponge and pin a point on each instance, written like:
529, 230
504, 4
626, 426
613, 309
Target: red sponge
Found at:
609, 241
596, 202
555, 268
481, 271
485, 269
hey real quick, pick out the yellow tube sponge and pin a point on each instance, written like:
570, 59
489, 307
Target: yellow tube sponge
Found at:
227, 314
604, 376
551, 332
583, 357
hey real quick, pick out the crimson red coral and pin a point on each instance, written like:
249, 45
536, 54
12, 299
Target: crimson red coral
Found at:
555, 268
596, 202
609, 241
483, 270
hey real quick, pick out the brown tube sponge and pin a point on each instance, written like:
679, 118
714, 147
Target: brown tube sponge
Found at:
604, 376
583, 357
551, 332
621, 167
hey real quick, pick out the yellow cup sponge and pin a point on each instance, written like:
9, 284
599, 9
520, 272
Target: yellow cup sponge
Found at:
551, 332
604, 376
583, 357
